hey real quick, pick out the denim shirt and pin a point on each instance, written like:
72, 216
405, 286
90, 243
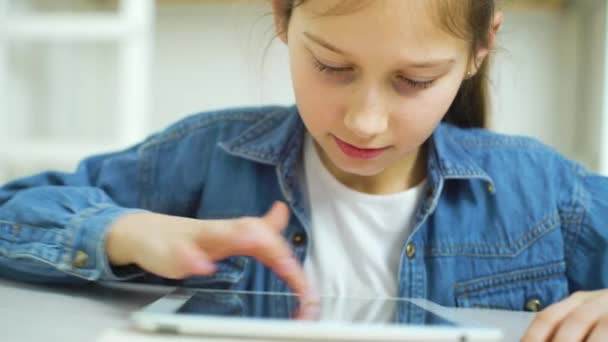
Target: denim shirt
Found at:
505, 222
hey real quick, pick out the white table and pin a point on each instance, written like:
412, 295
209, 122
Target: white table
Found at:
99, 312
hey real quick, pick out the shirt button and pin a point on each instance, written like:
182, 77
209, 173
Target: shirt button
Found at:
80, 259
533, 305
16, 229
410, 251
298, 239
491, 188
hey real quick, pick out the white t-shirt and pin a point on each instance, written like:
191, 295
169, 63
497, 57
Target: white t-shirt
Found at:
357, 239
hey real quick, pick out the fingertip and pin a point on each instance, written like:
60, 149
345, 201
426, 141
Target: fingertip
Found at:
278, 216
313, 295
308, 312
204, 267
310, 295
309, 304
279, 206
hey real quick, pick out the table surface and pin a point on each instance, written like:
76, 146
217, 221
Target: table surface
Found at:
99, 312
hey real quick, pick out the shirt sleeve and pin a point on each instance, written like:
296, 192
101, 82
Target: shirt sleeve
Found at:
53, 226
588, 234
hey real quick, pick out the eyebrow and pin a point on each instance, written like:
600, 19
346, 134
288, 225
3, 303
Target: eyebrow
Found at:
323, 43
432, 64
414, 65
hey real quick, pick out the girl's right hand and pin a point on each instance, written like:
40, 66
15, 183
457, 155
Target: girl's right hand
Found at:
177, 247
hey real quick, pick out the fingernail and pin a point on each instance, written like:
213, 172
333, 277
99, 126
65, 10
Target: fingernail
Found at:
205, 267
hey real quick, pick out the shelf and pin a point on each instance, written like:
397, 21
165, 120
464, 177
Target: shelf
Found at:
131, 25
67, 27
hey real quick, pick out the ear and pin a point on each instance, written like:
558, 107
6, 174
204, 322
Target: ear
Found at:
280, 19
482, 53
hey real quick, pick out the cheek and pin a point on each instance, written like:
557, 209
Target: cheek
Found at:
429, 107
420, 115
318, 104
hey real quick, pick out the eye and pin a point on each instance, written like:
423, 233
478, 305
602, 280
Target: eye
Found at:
416, 84
324, 68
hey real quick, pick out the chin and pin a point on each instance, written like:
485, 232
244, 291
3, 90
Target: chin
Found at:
363, 168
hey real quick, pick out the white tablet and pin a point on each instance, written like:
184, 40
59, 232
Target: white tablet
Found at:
217, 313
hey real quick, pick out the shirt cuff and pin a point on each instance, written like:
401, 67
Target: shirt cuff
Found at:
86, 256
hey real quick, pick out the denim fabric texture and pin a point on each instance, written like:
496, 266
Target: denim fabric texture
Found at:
505, 219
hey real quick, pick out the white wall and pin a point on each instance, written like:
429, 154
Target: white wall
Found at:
549, 79
210, 56
591, 90
535, 77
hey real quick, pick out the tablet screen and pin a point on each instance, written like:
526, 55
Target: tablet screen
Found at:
259, 305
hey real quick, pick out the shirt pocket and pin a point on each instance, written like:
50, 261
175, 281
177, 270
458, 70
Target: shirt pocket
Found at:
531, 289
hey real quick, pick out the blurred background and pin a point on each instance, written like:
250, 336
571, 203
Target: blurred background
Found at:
83, 76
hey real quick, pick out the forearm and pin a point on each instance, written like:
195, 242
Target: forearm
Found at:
52, 233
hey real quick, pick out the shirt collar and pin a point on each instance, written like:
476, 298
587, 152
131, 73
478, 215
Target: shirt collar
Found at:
450, 158
279, 137
271, 140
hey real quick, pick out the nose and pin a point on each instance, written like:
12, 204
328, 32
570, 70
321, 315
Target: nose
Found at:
368, 116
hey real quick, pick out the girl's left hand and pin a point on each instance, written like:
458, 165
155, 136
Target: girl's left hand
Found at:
581, 317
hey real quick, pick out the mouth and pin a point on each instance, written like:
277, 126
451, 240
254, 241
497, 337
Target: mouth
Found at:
358, 152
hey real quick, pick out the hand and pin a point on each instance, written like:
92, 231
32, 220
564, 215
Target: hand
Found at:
177, 247
581, 317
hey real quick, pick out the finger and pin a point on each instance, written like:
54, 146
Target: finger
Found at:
290, 270
600, 331
192, 260
308, 311
278, 216
546, 322
277, 256
258, 240
580, 321
222, 238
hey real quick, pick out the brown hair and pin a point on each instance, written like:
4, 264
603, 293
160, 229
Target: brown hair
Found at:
470, 20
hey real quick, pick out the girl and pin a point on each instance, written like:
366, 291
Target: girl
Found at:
383, 184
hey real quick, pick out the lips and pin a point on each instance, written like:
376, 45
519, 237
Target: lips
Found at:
357, 152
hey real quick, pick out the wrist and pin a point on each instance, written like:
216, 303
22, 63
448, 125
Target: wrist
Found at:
118, 241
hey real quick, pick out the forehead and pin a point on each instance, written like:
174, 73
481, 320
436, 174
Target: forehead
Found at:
393, 26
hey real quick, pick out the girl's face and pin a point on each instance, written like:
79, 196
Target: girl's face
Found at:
371, 85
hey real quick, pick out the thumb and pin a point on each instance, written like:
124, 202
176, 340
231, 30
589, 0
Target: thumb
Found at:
278, 216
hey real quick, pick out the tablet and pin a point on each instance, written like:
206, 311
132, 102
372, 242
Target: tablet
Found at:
280, 316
